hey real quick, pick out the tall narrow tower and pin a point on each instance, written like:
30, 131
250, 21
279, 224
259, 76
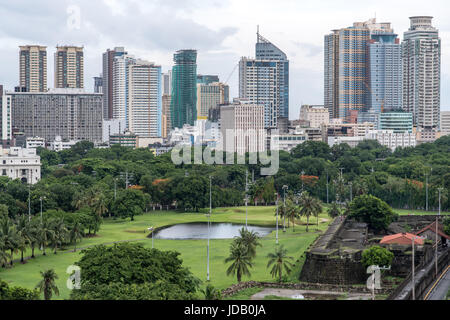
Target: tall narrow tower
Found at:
33, 68
69, 67
183, 106
421, 55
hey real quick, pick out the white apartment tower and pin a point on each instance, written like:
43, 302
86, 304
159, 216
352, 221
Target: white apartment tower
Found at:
33, 68
421, 55
144, 104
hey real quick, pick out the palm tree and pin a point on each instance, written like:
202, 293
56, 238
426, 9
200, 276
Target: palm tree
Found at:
4, 256
76, 233
309, 206
47, 284
279, 261
9, 236
33, 235
24, 233
79, 200
211, 293
241, 261
60, 233
249, 240
45, 234
99, 204
292, 212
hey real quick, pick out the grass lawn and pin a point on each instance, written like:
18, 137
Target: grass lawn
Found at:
193, 252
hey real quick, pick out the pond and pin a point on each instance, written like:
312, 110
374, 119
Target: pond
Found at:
186, 231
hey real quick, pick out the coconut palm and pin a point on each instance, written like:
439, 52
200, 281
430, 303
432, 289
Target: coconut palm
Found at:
33, 235
309, 206
278, 261
76, 233
60, 233
79, 200
24, 235
4, 256
10, 237
249, 240
45, 234
292, 212
241, 261
47, 284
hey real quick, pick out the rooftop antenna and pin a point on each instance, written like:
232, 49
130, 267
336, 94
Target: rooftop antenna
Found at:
257, 33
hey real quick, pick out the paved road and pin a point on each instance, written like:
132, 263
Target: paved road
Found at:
441, 289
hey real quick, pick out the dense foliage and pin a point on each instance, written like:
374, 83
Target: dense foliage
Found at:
377, 256
130, 271
373, 211
16, 293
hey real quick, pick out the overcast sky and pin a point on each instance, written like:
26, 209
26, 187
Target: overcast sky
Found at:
221, 30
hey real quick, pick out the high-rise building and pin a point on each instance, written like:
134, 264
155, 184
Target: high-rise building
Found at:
98, 85
33, 68
266, 50
144, 99
242, 128
258, 84
346, 68
421, 53
166, 82
69, 67
385, 72
210, 96
120, 86
207, 79
69, 113
5, 120
107, 82
315, 115
183, 107
166, 120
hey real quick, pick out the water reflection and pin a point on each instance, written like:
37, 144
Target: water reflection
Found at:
200, 231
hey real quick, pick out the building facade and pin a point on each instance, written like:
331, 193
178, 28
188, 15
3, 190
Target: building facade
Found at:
144, 104
242, 128
398, 122
22, 164
315, 115
69, 113
210, 96
445, 123
69, 67
107, 79
33, 68
183, 107
421, 53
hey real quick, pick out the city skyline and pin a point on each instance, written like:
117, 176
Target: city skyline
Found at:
219, 42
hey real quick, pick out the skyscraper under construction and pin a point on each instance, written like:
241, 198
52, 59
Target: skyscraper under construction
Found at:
183, 107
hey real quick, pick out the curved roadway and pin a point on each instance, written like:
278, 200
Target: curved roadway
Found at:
439, 292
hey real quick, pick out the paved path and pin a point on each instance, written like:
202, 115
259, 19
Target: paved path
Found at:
443, 286
309, 294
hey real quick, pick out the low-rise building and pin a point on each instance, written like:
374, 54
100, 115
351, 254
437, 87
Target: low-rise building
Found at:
127, 139
316, 115
35, 142
19, 163
351, 141
59, 144
392, 139
445, 123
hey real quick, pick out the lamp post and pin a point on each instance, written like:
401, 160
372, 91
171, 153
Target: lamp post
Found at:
209, 224
436, 240
246, 200
40, 198
29, 202
413, 269
351, 192
276, 197
151, 229
285, 187
327, 187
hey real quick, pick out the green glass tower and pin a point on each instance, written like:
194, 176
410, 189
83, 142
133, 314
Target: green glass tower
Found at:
183, 107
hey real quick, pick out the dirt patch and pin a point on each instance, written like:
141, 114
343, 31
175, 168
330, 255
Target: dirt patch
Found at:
310, 294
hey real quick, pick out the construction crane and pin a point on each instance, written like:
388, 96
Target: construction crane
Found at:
232, 72
376, 96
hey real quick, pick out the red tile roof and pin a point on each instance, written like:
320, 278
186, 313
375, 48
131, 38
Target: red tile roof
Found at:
401, 238
432, 227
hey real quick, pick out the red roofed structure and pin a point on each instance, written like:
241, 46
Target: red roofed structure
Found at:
402, 238
429, 232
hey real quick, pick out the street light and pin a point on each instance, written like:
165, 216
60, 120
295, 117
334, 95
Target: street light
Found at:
246, 196
413, 268
40, 198
351, 193
29, 202
327, 187
284, 205
436, 240
209, 224
151, 229
276, 196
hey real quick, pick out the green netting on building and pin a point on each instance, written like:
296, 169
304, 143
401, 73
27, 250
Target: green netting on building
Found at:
183, 107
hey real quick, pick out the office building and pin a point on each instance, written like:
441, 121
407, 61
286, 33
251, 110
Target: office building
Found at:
421, 54
393, 140
69, 67
112, 127
183, 107
22, 164
385, 72
207, 78
6, 137
34, 142
120, 83
107, 81
166, 83
33, 68
398, 122
242, 128
69, 113
166, 124
98, 85
209, 96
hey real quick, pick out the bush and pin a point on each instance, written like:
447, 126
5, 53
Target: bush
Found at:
377, 256
373, 211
